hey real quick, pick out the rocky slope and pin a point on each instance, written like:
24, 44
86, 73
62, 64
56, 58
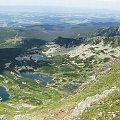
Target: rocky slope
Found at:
103, 93
84, 79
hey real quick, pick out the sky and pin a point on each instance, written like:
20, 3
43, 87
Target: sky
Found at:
94, 4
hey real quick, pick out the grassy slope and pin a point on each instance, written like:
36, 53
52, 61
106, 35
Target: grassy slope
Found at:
112, 79
50, 35
31, 93
6, 33
102, 110
107, 82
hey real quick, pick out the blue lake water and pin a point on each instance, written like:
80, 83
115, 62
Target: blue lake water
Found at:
3, 94
70, 87
30, 76
44, 79
35, 57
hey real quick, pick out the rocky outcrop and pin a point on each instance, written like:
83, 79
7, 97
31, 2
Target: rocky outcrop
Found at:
20, 117
82, 106
108, 31
2, 117
1, 99
70, 112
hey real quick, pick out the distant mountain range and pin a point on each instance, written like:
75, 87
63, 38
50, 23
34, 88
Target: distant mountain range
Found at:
27, 16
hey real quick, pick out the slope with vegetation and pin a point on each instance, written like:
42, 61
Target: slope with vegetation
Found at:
81, 76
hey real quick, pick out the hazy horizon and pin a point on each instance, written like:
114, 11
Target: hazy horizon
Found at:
81, 4
54, 9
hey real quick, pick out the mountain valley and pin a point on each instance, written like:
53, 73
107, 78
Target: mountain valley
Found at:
60, 71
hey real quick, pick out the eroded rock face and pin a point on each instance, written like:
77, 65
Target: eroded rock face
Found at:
84, 51
19, 117
82, 106
71, 112
2, 117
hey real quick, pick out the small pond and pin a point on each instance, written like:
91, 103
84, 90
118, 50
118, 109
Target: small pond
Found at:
35, 57
3, 94
43, 78
72, 86
69, 88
